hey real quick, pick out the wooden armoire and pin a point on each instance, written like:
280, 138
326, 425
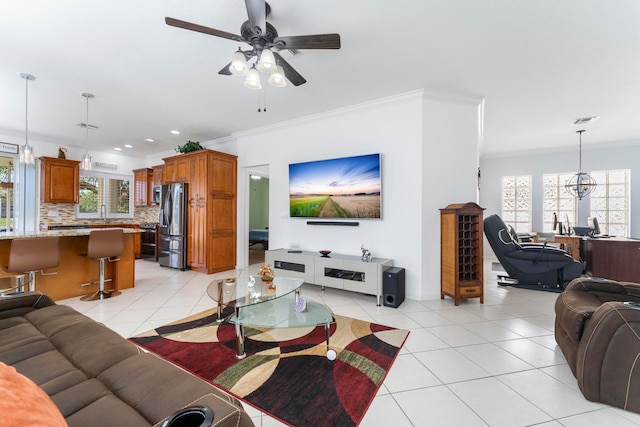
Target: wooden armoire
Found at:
461, 259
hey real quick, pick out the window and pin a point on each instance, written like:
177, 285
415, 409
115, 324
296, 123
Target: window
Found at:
105, 195
556, 199
610, 201
516, 202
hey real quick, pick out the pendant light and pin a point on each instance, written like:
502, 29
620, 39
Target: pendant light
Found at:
26, 155
581, 184
85, 164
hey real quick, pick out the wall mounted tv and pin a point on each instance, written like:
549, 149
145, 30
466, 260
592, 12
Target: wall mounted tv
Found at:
347, 187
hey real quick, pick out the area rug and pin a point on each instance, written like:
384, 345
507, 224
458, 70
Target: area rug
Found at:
286, 373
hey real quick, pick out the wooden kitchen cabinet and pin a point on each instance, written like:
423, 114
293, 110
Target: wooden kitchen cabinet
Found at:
59, 180
212, 185
461, 257
142, 189
158, 176
176, 169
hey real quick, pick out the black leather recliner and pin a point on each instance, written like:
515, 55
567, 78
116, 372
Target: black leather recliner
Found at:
531, 266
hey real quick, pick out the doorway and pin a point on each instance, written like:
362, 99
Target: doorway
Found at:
258, 217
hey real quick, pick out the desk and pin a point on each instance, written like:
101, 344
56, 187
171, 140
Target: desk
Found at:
571, 244
613, 258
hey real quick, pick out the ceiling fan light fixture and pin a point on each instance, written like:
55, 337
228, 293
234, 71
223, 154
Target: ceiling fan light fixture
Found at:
267, 62
277, 78
252, 81
239, 64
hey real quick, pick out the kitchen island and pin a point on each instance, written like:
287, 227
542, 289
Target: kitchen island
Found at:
75, 269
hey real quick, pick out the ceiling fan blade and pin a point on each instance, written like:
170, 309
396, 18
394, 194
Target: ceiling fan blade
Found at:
318, 41
289, 72
257, 12
225, 71
202, 29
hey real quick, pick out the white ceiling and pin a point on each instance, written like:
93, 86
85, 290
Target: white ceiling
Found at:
539, 64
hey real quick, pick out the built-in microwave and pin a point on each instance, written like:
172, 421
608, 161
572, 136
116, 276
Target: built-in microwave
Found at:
157, 194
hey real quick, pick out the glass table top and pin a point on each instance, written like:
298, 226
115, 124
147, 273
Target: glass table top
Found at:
242, 291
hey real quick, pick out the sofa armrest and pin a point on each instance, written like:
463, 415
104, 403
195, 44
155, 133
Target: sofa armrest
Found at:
19, 304
607, 367
239, 418
573, 309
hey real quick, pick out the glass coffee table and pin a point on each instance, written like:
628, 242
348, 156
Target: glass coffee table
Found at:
263, 304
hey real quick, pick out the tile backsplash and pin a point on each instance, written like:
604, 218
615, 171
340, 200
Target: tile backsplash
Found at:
52, 214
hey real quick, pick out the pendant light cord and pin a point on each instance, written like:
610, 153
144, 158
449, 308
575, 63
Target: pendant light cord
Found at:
26, 114
580, 157
86, 141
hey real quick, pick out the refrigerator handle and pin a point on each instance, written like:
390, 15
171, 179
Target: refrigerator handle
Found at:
166, 214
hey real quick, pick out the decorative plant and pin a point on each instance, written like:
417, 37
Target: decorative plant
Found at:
189, 146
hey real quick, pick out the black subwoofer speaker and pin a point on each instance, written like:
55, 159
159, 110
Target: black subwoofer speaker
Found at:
393, 286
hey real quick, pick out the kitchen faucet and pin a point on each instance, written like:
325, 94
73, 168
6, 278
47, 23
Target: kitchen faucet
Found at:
103, 212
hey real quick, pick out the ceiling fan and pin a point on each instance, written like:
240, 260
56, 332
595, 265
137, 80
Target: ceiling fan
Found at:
263, 37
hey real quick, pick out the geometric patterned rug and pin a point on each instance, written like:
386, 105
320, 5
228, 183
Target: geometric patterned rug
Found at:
286, 372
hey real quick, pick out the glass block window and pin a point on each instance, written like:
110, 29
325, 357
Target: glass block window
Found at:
556, 199
516, 202
610, 201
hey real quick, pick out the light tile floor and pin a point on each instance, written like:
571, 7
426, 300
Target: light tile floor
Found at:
494, 364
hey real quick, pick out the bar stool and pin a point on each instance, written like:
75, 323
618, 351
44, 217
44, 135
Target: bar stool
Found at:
104, 245
28, 256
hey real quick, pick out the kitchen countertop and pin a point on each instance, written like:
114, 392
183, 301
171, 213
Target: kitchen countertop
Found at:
9, 235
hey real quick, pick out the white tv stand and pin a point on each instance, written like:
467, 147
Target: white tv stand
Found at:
346, 272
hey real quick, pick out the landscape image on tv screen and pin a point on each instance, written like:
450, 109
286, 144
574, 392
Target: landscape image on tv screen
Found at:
347, 187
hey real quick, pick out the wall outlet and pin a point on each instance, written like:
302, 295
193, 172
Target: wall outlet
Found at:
52, 213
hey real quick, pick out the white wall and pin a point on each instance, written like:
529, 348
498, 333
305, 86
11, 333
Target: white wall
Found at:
451, 135
609, 157
393, 127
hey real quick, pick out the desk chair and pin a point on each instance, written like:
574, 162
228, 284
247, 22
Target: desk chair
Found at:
28, 256
104, 245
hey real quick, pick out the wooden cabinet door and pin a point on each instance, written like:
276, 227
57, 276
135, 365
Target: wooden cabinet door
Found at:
158, 175
176, 169
142, 187
60, 180
196, 239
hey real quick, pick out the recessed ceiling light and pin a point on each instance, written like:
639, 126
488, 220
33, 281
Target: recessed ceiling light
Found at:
150, 140
175, 132
117, 148
128, 146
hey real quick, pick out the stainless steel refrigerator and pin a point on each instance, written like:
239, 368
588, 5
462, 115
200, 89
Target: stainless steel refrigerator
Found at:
173, 226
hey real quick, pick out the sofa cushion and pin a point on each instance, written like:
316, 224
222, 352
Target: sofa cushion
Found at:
88, 345
23, 403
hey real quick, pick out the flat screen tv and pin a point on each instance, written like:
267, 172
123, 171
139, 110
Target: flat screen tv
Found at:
347, 187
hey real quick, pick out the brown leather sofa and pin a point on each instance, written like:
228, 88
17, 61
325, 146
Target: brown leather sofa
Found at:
597, 327
95, 377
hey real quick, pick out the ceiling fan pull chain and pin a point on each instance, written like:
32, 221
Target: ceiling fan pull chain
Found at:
265, 100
